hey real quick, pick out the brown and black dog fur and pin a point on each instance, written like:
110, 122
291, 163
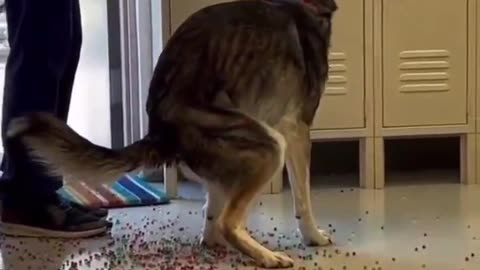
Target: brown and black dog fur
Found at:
231, 101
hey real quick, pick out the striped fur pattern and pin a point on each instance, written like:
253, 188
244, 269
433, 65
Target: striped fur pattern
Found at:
231, 100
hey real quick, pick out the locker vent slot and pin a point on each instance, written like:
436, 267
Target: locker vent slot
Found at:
337, 77
424, 71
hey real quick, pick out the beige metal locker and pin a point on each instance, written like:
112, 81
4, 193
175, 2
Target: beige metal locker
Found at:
343, 103
425, 62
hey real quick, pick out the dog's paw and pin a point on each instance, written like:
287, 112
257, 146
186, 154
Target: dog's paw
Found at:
211, 238
275, 260
315, 238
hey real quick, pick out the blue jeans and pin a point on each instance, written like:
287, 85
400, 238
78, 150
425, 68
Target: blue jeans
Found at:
45, 39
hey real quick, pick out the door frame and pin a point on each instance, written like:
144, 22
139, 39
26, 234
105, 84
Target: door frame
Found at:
137, 43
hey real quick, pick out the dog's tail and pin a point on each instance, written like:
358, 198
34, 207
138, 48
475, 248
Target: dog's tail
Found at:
65, 153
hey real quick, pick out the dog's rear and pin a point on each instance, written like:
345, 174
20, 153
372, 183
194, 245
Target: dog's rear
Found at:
231, 99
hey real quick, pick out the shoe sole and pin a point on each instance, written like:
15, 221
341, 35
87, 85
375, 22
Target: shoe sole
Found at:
27, 231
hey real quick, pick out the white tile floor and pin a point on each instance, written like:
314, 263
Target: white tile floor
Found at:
427, 226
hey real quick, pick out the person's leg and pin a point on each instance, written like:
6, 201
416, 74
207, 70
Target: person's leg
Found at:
68, 78
45, 42
39, 49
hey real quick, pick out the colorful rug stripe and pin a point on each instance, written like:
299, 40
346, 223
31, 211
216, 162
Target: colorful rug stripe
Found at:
87, 196
127, 195
160, 195
143, 187
130, 185
67, 195
112, 198
127, 191
117, 194
79, 198
95, 194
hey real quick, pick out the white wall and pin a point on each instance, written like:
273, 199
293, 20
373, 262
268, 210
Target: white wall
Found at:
90, 109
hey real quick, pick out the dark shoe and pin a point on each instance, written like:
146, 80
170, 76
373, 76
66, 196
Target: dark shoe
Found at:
55, 220
98, 212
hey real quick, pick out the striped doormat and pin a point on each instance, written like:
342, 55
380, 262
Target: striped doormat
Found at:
128, 191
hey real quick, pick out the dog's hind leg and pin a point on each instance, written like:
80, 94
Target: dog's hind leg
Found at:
257, 170
212, 209
241, 159
215, 201
298, 155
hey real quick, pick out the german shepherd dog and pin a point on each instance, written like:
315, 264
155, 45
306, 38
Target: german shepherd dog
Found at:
231, 101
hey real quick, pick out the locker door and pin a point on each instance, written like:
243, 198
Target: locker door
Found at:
424, 62
343, 105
